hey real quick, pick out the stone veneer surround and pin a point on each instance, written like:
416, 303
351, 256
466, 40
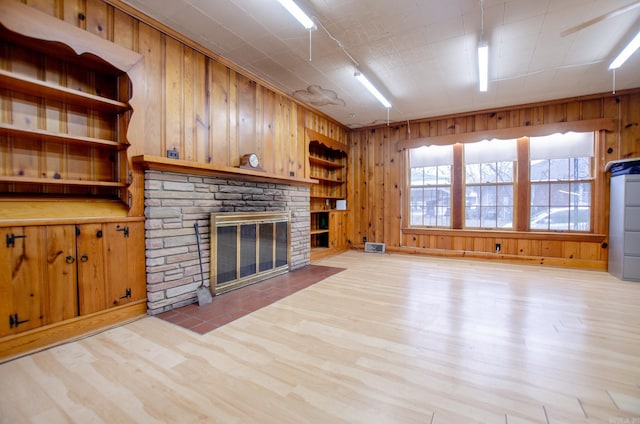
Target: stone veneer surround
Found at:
174, 202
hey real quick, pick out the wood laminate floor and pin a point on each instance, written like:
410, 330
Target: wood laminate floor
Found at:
392, 339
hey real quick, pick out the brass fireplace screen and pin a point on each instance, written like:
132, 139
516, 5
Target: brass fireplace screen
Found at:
247, 247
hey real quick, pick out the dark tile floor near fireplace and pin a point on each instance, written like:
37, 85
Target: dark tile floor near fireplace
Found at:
237, 303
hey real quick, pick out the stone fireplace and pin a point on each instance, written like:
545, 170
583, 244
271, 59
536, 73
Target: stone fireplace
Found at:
175, 201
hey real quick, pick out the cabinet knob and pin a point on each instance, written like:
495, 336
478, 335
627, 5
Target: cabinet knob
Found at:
84, 258
70, 259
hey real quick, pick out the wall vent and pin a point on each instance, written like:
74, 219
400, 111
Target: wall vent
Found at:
374, 247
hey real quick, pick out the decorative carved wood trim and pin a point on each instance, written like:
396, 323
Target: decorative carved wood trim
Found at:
508, 133
327, 141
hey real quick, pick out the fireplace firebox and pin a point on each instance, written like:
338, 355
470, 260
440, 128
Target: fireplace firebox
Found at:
248, 247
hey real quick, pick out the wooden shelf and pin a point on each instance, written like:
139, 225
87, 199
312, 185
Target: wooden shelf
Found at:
158, 163
60, 181
326, 197
313, 232
49, 91
325, 163
59, 137
328, 180
327, 210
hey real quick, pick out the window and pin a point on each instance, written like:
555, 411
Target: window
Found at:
561, 179
525, 184
430, 180
489, 183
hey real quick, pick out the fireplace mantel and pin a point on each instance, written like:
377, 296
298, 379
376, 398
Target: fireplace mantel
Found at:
158, 163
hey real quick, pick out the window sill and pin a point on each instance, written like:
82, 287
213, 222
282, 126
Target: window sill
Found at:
503, 234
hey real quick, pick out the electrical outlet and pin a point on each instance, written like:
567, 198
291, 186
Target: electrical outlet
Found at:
173, 154
498, 247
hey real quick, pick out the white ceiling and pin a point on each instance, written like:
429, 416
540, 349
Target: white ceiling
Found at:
421, 54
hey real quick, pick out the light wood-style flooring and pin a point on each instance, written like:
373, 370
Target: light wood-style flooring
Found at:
392, 339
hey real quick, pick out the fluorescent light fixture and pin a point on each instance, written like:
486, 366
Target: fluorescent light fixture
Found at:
298, 13
364, 81
626, 52
483, 65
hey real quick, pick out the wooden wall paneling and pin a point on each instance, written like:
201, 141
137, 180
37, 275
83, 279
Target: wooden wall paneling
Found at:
611, 108
173, 97
55, 164
630, 127
247, 107
45, 6
25, 163
551, 248
232, 117
77, 166
538, 113
62, 292
150, 46
189, 95
600, 195
201, 109
258, 120
68, 11
124, 30
523, 247
481, 122
393, 186
573, 111
357, 189
285, 135
268, 125
571, 250
375, 193
555, 113
591, 251
301, 149
98, 16
219, 112
591, 109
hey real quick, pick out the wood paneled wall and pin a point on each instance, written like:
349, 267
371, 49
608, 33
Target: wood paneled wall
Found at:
212, 112
197, 102
377, 192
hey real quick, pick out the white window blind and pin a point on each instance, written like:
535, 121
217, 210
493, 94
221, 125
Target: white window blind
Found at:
431, 156
558, 146
488, 151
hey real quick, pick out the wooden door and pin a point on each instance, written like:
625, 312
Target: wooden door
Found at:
22, 288
62, 291
92, 295
124, 262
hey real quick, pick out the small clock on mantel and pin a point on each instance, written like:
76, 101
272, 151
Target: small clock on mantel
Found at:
250, 161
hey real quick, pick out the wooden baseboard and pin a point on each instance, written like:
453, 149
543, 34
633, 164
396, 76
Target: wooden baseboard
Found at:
516, 259
71, 329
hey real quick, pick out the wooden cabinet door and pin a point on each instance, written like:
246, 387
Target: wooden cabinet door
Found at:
338, 229
22, 286
92, 295
124, 262
62, 291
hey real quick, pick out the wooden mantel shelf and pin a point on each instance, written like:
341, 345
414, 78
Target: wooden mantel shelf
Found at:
158, 163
